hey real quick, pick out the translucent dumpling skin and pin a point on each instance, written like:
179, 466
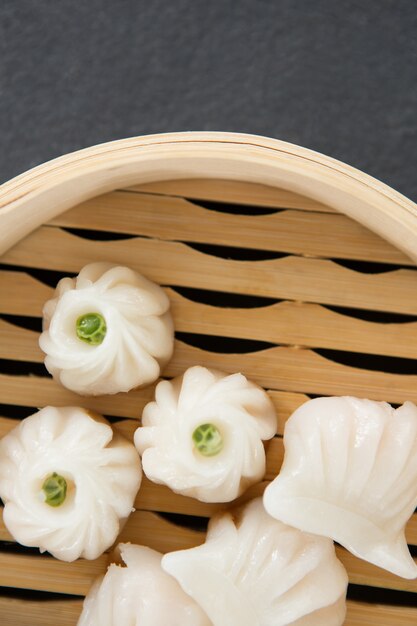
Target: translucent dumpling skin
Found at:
107, 330
350, 473
255, 571
139, 593
67, 482
203, 434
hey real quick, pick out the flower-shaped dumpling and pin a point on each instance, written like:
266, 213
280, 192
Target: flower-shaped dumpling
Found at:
203, 434
67, 482
350, 473
255, 571
139, 593
107, 330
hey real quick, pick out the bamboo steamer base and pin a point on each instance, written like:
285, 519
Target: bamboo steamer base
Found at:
282, 285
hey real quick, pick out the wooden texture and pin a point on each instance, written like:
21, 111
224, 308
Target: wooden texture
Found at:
75, 578
46, 191
34, 391
297, 232
232, 192
331, 285
65, 613
322, 280
276, 368
279, 323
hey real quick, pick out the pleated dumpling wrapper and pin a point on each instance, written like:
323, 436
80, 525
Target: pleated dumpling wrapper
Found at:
67, 482
255, 571
203, 434
107, 330
350, 473
139, 593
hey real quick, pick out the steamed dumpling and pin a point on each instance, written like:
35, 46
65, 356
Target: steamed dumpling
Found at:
350, 473
203, 434
139, 593
255, 571
67, 482
107, 330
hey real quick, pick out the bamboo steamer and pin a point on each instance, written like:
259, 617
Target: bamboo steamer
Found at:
280, 262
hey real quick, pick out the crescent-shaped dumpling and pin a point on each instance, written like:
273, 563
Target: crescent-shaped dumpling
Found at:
139, 593
255, 571
350, 473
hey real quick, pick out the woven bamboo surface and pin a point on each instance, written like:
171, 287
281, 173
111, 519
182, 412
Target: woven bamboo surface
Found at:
302, 299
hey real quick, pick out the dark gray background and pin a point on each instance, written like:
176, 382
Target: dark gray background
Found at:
336, 76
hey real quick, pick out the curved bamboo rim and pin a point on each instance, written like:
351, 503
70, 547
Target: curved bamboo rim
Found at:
49, 189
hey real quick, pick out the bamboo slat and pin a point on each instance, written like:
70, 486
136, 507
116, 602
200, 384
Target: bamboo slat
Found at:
169, 263
363, 614
275, 368
297, 232
20, 294
363, 573
76, 578
280, 368
65, 612
25, 612
161, 499
296, 323
232, 192
36, 391
292, 323
145, 526
143, 521
49, 574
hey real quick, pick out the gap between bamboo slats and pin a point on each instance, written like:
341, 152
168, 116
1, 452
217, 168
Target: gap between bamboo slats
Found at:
279, 368
171, 263
65, 612
49, 574
232, 191
291, 323
176, 219
37, 391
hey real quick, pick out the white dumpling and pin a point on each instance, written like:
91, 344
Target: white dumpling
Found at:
139, 593
107, 330
255, 571
203, 434
67, 482
350, 473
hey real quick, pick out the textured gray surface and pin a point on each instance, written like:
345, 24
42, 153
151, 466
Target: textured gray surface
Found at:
337, 77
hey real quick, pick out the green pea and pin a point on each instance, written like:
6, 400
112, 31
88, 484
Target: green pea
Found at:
91, 328
208, 439
55, 489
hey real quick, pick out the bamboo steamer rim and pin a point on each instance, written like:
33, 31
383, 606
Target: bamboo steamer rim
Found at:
48, 190
44, 192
